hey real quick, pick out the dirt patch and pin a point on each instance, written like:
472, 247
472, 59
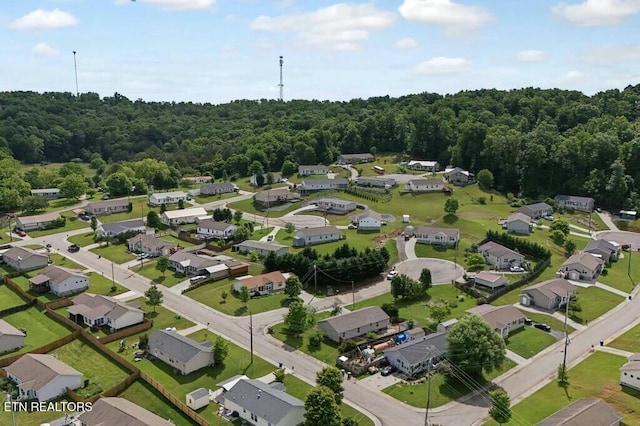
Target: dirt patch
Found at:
381, 240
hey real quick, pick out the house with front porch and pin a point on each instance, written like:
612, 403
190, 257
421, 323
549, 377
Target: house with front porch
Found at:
40, 221
160, 198
312, 185
319, 169
262, 285
503, 319
42, 377
209, 228
436, 236
582, 267
317, 235
184, 216
48, 193
500, 256
335, 205
414, 357
369, 220
101, 208
550, 294
458, 176
95, 310
425, 185
59, 281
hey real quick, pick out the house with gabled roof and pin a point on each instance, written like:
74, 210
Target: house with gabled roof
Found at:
209, 228
179, 352
312, 185
59, 281
40, 221
264, 284
630, 372
519, 223
10, 337
95, 310
355, 158
48, 193
181, 217
319, 169
23, 259
369, 220
42, 377
550, 294
376, 181
335, 205
355, 323
101, 208
198, 179
490, 280
536, 210
500, 256
275, 178
274, 197
218, 188
458, 176
188, 263
503, 319
413, 358
584, 412
150, 245
582, 267
317, 235
424, 165
261, 248
160, 198
121, 412
574, 202
608, 251
114, 229
436, 236
425, 185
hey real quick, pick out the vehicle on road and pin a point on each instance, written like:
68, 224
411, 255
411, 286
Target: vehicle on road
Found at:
270, 238
73, 248
387, 370
543, 327
392, 274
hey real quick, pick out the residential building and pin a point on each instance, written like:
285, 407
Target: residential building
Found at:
630, 372
425, 185
355, 323
573, 202
583, 412
160, 198
503, 319
318, 235
181, 217
209, 228
261, 248
335, 205
500, 256
100, 311
425, 166
198, 179
319, 169
23, 259
40, 221
274, 197
582, 267
413, 358
377, 182
519, 223
111, 230
59, 281
355, 158
550, 294
536, 210
369, 220
275, 178
490, 280
121, 412
218, 188
42, 377
436, 236
10, 337
188, 264
179, 352
197, 399
607, 250
101, 208
48, 193
270, 283
458, 176
150, 245
258, 403
311, 185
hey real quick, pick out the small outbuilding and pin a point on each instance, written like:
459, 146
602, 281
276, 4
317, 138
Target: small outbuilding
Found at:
198, 398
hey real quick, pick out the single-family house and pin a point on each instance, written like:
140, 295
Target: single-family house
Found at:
95, 310
261, 248
101, 208
10, 337
274, 197
630, 372
218, 188
275, 178
209, 228
413, 358
425, 166
335, 205
369, 220
258, 403
319, 169
317, 235
536, 210
550, 294
355, 158
425, 185
436, 236
582, 267
355, 323
519, 223
40, 221
198, 179
197, 399
607, 250
458, 176
59, 281
574, 202
179, 352
490, 280
311, 185
269, 283
23, 259
503, 319
160, 198
181, 217
150, 245
121, 412
583, 412
47, 193
376, 182
42, 377
187, 263
500, 256
111, 230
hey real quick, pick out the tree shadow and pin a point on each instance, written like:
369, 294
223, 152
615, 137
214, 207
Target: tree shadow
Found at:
450, 219
565, 387
240, 311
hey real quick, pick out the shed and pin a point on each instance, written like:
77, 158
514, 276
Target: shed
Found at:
198, 398
405, 218
444, 326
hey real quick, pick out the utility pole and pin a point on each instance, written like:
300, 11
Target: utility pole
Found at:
315, 279
426, 414
75, 68
113, 280
566, 339
353, 295
251, 335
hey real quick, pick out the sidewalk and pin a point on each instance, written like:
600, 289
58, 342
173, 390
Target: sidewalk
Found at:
129, 295
516, 358
612, 290
187, 331
614, 351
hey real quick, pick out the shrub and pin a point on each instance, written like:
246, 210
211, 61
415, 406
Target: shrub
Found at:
347, 346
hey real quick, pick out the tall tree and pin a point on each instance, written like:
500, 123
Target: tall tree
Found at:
500, 410
451, 206
320, 408
73, 186
154, 296
425, 278
162, 264
296, 320
292, 287
331, 378
220, 350
244, 295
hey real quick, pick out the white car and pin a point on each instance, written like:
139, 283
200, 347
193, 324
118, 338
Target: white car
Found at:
516, 269
392, 274
549, 218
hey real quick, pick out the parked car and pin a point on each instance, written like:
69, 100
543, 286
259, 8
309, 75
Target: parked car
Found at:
105, 197
352, 226
543, 327
626, 247
392, 274
197, 279
270, 238
549, 217
73, 248
387, 370
516, 269
599, 210
21, 233
527, 321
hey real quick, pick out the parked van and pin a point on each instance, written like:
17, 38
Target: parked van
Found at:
199, 278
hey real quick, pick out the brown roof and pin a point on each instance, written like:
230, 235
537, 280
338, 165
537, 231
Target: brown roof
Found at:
121, 412
497, 316
591, 412
260, 280
95, 306
586, 259
33, 371
7, 329
497, 250
553, 288
47, 217
355, 319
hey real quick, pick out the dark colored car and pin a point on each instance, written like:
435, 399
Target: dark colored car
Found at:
387, 370
543, 327
73, 248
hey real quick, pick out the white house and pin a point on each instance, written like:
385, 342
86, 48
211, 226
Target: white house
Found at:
437, 236
425, 185
582, 267
583, 204
197, 399
42, 377
10, 337
161, 198
40, 221
179, 352
59, 281
99, 311
180, 217
519, 223
630, 372
427, 166
208, 228
272, 282
198, 179
369, 220
503, 319
309, 185
414, 357
261, 248
23, 259
490, 280
335, 205
318, 235
500, 256
319, 169
47, 193
536, 210
119, 412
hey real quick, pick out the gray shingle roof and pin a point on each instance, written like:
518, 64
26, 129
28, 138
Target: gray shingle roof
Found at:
198, 393
320, 230
355, 319
432, 230
20, 252
592, 412
193, 260
121, 227
36, 370
120, 202
317, 167
214, 225
7, 329
601, 245
430, 346
262, 245
553, 288
55, 274
177, 346
95, 306
497, 250
262, 400
497, 316
585, 259
121, 412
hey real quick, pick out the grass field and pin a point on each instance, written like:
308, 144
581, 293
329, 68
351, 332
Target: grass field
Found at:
82, 240
144, 395
148, 270
528, 341
629, 341
176, 242
28, 417
202, 199
549, 320
59, 260
71, 224
99, 284
162, 317
618, 272
328, 351
117, 253
8, 298
595, 377
40, 329
594, 302
60, 204
56, 166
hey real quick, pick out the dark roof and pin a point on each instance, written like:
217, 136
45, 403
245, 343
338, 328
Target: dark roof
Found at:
121, 412
355, 319
591, 412
497, 250
601, 245
124, 226
262, 400
415, 351
20, 253
552, 288
537, 206
575, 198
320, 230
177, 346
316, 167
214, 225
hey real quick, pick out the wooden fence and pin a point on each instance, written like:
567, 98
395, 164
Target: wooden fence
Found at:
175, 401
15, 287
14, 309
43, 349
57, 304
126, 332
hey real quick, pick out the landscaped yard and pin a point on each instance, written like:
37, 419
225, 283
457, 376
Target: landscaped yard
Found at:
528, 341
117, 253
40, 329
168, 279
594, 302
82, 240
328, 351
29, 417
595, 377
176, 242
99, 284
618, 272
71, 224
144, 395
549, 320
9, 298
59, 260
629, 341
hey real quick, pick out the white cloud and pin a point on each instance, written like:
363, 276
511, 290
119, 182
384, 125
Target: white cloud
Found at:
264, 44
405, 43
531, 56
182, 4
457, 19
593, 13
341, 26
611, 54
43, 49
443, 65
43, 19
573, 76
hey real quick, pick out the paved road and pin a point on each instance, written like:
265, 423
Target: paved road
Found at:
621, 237
442, 271
606, 218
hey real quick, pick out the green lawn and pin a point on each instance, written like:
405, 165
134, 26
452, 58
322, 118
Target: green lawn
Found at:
594, 302
61, 203
144, 395
99, 284
204, 199
102, 373
247, 206
392, 248
443, 390
618, 272
328, 351
33, 246
40, 329
528, 341
176, 242
139, 209
629, 341
162, 317
595, 377
82, 240
549, 320
148, 270
72, 224
116, 253
8, 298
29, 417
59, 260
359, 240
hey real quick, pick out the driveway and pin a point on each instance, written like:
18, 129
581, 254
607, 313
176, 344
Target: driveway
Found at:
621, 237
378, 381
442, 271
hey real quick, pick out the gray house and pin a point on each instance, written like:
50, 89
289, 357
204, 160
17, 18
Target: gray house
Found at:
10, 337
355, 158
274, 197
582, 267
218, 188
22, 259
101, 208
119, 411
414, 357
519, 223
550, 294
319, 169
355, 324
498, 255
261, 248
592, 412
377, 182
606, 250
180, 352
503, 319
536, 210
117, 228
318, 235
311, 185
583, 204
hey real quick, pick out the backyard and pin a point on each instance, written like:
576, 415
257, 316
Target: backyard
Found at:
117, 253
9, 298
617, 275
29, 417
146, 396
528, 341
629, 341
71, 224
41, 329
148, 270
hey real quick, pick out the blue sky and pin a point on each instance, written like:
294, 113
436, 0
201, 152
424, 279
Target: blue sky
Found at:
220, 50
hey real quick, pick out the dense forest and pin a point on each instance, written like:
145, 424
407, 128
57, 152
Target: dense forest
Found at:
535, 142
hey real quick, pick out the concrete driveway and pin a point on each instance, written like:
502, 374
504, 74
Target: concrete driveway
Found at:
442, 271
378, 381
